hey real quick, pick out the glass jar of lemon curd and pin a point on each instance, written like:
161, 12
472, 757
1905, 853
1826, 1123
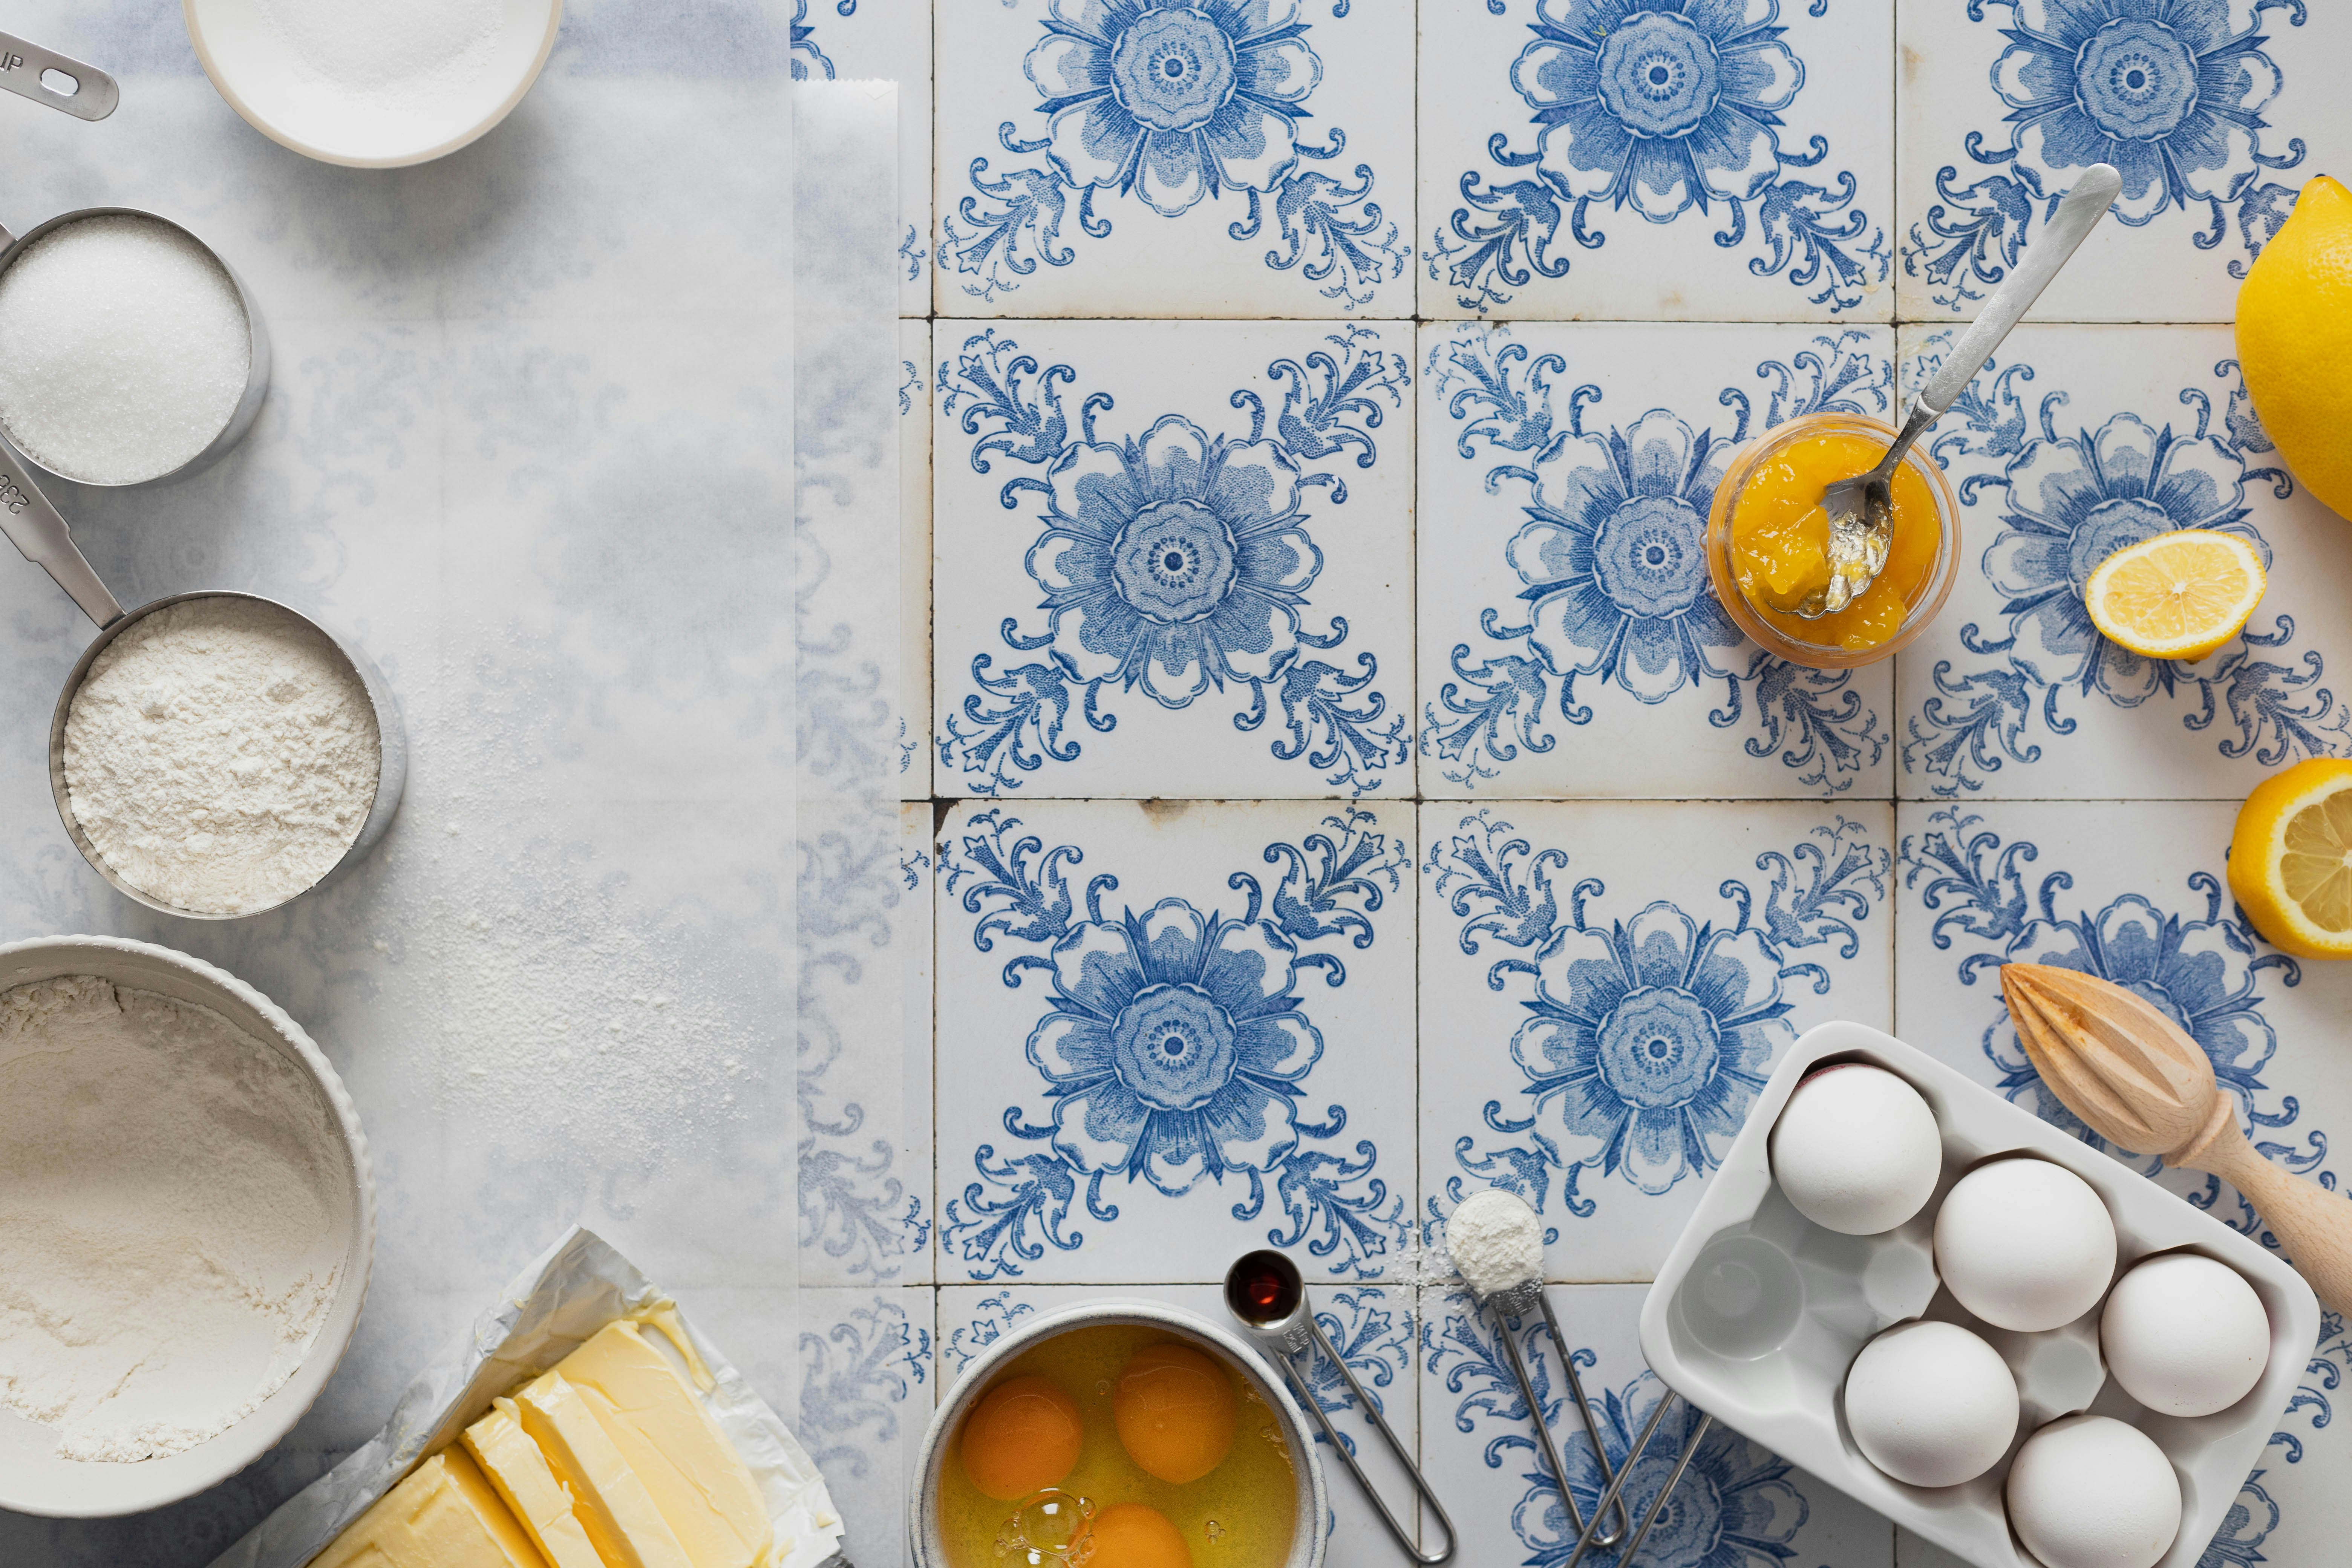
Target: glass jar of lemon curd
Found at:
1768, 540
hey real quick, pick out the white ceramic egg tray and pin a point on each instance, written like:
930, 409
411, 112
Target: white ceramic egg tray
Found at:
1757, 1312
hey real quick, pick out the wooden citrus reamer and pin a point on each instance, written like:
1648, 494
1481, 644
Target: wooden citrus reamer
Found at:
2139, 1082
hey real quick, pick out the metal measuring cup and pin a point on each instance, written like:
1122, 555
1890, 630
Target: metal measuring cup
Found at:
256, 375
36, 529
64, 83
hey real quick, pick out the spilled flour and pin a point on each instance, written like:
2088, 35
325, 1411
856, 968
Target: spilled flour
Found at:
172, 1209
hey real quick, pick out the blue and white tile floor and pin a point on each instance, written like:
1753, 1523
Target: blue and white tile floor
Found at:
1417, 736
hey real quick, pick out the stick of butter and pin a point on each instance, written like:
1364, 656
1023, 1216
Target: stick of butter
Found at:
444, 1515
695, 1476
611, 1501
529, 1484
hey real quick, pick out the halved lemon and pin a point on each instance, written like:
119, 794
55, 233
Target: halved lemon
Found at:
2291, 858
2176, 595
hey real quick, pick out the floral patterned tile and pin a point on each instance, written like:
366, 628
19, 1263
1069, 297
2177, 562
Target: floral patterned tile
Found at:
887, 41
1570, 642
866, 1392
1613, 983
1738, 1506
1722, 160
2080, 440
2216, 111
865, 929
1109, 160
1372, 1327
1170, 1032
914, 556
1173, 559
2133, 893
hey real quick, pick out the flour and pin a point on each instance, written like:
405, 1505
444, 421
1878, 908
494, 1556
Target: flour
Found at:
221, 755
1496, 1241
171, 1218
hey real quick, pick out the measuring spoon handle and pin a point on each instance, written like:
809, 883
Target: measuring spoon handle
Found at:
2080, 212
26, 67
40, 535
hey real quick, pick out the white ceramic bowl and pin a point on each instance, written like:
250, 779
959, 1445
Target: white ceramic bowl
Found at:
1757, 1312
33, 1479
1313, 1507
271, 73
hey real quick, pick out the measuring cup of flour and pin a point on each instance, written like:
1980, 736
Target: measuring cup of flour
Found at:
130, 353
214, 754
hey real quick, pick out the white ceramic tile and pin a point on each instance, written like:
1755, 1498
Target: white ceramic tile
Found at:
1372, 1327
1629, 680
2133, 893
2215, 111
866, 1392
1611, 982
1104, 160
1738, 1506
887, 41
865, 920
1172, 1032
1173, 559
1598, 160
2079, 441
914, 364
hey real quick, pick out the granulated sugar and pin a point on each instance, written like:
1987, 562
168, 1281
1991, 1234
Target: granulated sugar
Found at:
406, 56
221, 755
124, 349
174, 1211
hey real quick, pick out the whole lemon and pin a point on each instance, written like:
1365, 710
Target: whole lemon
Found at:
2295, 340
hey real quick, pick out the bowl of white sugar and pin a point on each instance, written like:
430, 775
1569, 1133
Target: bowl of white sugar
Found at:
187, 1221
216, 755
130, 353
369, 85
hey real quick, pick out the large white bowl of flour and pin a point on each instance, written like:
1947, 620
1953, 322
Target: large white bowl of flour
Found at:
187, 1221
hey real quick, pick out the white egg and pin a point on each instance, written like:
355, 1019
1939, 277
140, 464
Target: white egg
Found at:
2185, 1335
2024, 1244
1931, 1404
2088, 1492
1856, 1149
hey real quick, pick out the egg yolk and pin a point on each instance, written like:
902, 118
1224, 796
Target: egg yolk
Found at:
1022, 1436
1175, 1411
1130, 1535
1780, 541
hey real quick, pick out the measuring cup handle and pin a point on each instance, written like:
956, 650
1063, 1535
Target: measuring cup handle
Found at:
40, 535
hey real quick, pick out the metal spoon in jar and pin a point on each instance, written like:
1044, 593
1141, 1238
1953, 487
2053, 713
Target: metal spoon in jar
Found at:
1861, 510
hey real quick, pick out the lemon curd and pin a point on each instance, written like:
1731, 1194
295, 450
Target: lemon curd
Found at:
1781, 537
1148, 1406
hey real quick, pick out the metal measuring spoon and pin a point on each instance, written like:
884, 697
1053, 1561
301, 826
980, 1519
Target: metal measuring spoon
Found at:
79, 88
40, 532
1861, 510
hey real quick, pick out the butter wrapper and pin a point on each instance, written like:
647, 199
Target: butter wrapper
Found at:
545, 1313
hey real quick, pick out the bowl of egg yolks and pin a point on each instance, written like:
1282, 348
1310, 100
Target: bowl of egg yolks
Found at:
1119, 1434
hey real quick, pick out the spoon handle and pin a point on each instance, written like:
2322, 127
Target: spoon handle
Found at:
61, 82
2084, 206
41, 536
2313, 1225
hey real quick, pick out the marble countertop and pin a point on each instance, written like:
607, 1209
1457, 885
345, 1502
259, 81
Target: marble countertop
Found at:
527, 438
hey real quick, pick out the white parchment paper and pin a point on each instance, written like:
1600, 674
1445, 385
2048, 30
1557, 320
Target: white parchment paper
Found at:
548, 1310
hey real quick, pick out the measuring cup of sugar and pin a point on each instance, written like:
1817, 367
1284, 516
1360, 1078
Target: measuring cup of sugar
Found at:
214, 754
128, 351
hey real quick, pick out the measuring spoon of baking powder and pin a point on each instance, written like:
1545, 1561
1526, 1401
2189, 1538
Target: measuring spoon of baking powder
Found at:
1861, 510
62, 82
38, 532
